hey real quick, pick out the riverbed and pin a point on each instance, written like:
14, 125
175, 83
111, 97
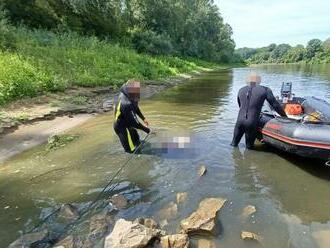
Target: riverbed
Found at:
291, 195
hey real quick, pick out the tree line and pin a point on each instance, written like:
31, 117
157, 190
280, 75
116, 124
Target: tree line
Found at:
316, 51
186, 28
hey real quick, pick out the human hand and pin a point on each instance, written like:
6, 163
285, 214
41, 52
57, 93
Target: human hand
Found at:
146, 122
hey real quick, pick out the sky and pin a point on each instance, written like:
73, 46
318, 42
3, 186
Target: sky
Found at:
258, 23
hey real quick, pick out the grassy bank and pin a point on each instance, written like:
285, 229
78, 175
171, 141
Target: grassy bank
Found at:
41, 61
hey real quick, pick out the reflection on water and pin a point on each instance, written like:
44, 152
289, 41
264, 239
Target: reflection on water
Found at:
290, 194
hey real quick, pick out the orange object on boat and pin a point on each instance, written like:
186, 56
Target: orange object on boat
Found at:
293, 109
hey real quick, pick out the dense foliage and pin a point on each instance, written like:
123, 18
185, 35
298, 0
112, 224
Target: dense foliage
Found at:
316, 52
191, 28
43, 61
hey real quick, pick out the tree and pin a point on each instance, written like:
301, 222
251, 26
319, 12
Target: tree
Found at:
313, 46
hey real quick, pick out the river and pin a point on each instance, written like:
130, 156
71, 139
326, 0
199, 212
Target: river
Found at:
291, 194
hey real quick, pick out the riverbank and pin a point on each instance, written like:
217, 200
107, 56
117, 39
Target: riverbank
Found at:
30, 122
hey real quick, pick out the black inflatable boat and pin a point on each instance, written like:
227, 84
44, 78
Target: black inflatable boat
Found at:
306, 131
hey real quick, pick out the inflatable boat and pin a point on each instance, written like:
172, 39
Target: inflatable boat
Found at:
306, 131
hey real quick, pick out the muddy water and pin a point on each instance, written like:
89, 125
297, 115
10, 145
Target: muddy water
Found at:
291, 195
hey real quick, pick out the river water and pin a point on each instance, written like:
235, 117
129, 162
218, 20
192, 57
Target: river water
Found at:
291, 194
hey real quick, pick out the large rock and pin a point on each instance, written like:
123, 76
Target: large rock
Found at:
175, 241
28, 240
203, 220
99, 226
128, 234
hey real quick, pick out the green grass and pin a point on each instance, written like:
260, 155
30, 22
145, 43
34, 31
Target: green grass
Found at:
42, 61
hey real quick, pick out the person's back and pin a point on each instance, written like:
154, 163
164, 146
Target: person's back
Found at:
250, 100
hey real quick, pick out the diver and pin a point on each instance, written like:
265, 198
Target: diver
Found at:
250, 101
126, 111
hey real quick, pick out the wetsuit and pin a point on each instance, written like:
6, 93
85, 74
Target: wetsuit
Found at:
126, 122
250, 100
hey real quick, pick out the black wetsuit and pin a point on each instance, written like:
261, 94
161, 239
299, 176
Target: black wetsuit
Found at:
126, 122
250, 100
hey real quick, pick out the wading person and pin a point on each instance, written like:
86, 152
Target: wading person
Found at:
126, 112
250, 101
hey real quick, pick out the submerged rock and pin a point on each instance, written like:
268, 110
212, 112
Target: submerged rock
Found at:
247, 211
203, 220
250, 236
181, 197
69, 242
202, 170
205, 243
128, 234
99, 226
169, 211
68, 212
119, 201
322, 238
147, 222
175, 241
29, 240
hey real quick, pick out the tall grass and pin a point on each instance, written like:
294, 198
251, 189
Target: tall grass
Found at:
43, 61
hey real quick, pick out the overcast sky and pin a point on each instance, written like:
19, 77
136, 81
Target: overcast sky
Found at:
258, 23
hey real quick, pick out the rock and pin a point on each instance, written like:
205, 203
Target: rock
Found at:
28, 240
181, 197
250, 236
119, 201
202, 170
175, 241
98, 226
127, 234
169, 211
147, 222
247, 211
68, 212
203, 220
163, 223
205, 243
69, 242
322, 238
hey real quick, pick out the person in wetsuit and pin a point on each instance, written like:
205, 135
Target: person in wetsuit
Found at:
250, 101
126, 112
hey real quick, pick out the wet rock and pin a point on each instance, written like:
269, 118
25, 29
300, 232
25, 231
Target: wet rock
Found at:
169, 211
247, 211
69, 242
127, 234
119, 201
28, 240
175, 241
68, 212
203, 220
250, 236
147, 222
163, 223
99, 226
205, 243
322, 238
202, 170
181, 197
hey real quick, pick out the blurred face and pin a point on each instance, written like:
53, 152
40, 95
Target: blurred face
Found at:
133, 89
